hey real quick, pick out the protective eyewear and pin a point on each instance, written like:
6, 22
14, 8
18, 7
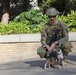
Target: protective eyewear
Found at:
51, 16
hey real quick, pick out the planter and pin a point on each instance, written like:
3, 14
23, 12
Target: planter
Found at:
29, 37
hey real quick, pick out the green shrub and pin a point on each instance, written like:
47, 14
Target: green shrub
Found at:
19, 28
32, 21
31, 17
70, 20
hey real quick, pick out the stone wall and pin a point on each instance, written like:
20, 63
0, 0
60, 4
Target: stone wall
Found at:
14, 48
21, 51
18, 51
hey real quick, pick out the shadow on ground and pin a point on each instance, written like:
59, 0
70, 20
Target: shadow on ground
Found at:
71, 59
35, 67
36, 63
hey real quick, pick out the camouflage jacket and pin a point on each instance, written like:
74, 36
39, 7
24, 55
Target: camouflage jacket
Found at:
51, 33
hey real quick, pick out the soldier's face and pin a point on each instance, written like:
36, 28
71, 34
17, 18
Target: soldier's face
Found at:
52, 18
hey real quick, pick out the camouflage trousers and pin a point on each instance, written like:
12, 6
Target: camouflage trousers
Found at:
66, 48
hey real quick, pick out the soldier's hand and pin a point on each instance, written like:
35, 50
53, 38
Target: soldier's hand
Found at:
47, 47
52, 46
56, 42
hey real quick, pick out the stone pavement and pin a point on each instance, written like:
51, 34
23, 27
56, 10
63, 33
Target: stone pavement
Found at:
35, 67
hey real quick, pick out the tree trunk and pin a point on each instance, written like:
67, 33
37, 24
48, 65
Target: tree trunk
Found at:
5, 16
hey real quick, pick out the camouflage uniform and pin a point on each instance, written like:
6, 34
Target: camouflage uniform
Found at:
58, 32
51, 33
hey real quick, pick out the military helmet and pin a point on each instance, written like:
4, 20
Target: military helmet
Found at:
52, 12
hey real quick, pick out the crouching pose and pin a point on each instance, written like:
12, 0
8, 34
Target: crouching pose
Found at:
54, 32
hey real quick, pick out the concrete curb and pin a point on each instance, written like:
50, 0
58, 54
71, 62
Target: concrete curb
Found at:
29, 37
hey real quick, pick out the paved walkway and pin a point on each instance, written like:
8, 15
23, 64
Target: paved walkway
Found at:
35, 67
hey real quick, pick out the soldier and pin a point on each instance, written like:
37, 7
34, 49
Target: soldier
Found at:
55, 32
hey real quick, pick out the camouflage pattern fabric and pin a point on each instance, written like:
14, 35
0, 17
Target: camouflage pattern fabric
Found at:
41, 52
52, 12
58, 32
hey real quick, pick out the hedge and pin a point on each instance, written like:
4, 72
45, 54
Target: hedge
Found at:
31, 22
